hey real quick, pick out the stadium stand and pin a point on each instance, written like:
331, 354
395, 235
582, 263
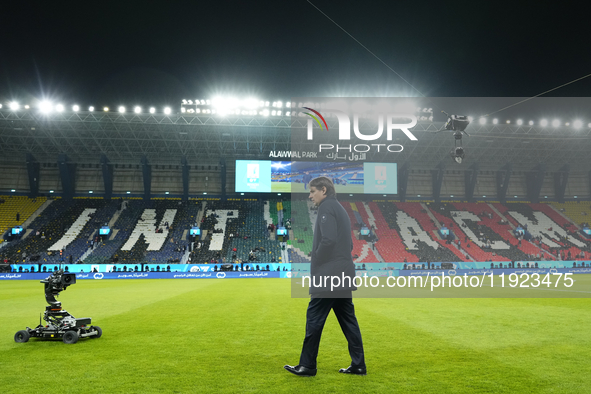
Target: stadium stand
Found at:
178, 242
47, 229
390, 247
10, 206
80, 245
412, 215
368, 218
143, 243
442, 213
549, 230
577, 211
487, 224
105, 251
302, 216
361, 248
240, 225
237, 231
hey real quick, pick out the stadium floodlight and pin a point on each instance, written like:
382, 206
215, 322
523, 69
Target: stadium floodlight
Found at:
233, 102
278, 113
91, 108
495, 121
128, 192
577, 124
218, 102
27, 106
137, 109
288, 104
45, 107
152, 110
482, 120
106, 109
544, 122
14, 106
167, 110
59, 108
267, 104
508, 121
183, 110
273, 112
288, 113
121, 109
279, 104
13, 190
519, 122
251, 103
531, 122
265, 112
0, 105
90, 192
75, 108
51, 191
166, 192
242, 194
556, 123
204, 192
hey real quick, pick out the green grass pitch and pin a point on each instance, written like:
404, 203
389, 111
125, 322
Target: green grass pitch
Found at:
235, 335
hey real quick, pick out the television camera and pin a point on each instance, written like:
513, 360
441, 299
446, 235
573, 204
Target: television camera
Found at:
457, 124
60, 324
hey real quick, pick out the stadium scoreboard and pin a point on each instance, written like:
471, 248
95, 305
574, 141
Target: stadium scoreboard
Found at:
265, 176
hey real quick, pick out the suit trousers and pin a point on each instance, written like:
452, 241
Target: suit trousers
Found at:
318, 310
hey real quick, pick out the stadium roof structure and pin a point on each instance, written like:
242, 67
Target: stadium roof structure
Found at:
164, 138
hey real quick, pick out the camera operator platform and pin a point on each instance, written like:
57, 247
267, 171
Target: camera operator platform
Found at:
60, 323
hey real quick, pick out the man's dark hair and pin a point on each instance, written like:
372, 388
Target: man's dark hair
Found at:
321, 182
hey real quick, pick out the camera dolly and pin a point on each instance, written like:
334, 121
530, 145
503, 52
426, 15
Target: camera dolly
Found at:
60, 324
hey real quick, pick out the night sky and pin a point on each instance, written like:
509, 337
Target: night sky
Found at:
159, 52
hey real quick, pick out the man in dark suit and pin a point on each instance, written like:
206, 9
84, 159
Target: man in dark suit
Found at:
331, 256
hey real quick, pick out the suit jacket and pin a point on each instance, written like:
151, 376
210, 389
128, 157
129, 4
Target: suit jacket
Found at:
331, 251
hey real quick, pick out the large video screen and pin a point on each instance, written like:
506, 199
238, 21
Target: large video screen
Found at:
253, 176
293, 177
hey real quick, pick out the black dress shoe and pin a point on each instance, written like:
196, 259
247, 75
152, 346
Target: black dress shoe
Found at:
301, 370
354, 370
